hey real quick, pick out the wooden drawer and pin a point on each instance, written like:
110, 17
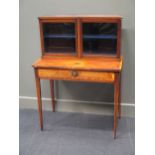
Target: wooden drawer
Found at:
74, 75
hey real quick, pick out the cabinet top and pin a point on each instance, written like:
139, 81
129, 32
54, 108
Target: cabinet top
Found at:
81, 16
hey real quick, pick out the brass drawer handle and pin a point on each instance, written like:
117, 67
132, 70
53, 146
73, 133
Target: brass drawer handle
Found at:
74, 73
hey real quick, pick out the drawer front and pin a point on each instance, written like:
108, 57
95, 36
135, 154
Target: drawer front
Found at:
76, 75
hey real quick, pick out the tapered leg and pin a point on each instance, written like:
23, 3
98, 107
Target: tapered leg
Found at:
119, 96
52, 94
116, 93
38, 90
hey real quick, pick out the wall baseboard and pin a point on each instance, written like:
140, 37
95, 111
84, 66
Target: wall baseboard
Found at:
79, 106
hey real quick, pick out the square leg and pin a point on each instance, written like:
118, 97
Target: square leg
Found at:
38, 91
116, 102
52, 94
119, 96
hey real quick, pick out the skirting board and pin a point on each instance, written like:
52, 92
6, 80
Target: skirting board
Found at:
67, 105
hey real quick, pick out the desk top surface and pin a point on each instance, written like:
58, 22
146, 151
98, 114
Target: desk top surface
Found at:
91, 64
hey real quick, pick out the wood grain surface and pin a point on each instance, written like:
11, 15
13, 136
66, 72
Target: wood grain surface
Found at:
73, 75
90, 64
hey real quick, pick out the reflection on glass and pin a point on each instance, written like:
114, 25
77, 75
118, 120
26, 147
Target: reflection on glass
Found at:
99, 38
59, 37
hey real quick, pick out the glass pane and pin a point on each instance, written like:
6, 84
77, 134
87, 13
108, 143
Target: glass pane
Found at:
99, 38
59, 37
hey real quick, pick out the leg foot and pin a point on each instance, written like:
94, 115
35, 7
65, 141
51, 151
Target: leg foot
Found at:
114, 135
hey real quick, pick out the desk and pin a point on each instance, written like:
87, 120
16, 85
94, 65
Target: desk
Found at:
102, 70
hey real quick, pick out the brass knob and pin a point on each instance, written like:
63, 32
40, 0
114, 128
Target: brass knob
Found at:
74, 73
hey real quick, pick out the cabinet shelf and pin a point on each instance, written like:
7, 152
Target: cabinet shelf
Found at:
112, 52
62, 36
103, 36
68, 36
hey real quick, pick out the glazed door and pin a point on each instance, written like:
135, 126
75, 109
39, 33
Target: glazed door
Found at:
99, 38
59, 37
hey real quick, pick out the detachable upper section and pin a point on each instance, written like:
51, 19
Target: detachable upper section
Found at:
80, 36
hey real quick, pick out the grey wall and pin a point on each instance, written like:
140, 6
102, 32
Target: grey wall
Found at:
30, 47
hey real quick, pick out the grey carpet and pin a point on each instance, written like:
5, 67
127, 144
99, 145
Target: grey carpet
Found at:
74, 134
